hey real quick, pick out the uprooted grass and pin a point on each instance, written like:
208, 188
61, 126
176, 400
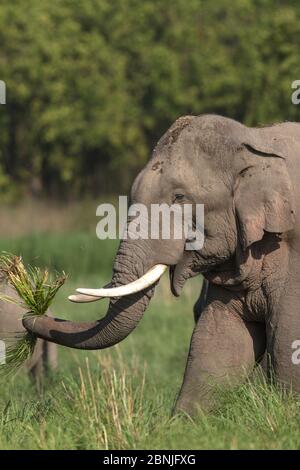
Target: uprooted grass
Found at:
35, 293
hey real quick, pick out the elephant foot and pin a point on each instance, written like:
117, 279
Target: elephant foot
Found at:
195, 406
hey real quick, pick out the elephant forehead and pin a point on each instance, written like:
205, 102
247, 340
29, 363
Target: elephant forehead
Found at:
148, 184
173, 133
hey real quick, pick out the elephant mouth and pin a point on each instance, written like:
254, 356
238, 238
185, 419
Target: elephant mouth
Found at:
171, 277
178, 275
177, 279
221, 273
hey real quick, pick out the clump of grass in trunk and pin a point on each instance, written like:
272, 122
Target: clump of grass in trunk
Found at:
35, 290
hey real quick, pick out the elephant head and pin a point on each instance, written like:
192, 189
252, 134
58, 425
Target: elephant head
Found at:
240, 176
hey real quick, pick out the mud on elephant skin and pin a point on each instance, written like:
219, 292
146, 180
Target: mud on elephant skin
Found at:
248, 180
44, 357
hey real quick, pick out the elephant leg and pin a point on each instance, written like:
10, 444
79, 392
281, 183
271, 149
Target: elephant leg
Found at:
36, 374
43, 361
35, 366
223, 351
49, 356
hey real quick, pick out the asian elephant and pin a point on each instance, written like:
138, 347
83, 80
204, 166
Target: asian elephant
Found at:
248, 180
45, 353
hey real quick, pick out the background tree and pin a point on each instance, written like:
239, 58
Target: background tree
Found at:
92, 84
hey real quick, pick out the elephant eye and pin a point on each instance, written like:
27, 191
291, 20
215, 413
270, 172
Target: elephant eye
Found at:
178, 197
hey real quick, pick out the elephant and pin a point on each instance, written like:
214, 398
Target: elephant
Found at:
44, 357
247, 178
201, 301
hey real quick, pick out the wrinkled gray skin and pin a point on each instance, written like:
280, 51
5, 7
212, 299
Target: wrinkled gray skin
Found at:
248, 180
45, 353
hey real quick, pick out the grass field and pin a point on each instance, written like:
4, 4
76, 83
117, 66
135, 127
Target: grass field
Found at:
122, 398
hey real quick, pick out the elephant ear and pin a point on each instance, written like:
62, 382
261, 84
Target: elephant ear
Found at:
263, 193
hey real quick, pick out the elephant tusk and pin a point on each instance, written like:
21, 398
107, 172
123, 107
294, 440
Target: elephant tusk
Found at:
80, 298
142, 283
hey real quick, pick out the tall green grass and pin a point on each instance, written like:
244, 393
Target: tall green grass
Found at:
108, 403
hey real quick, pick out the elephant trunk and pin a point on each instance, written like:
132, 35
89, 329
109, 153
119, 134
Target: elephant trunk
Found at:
121, 319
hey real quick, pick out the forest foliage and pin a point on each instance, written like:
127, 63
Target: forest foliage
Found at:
92, 84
